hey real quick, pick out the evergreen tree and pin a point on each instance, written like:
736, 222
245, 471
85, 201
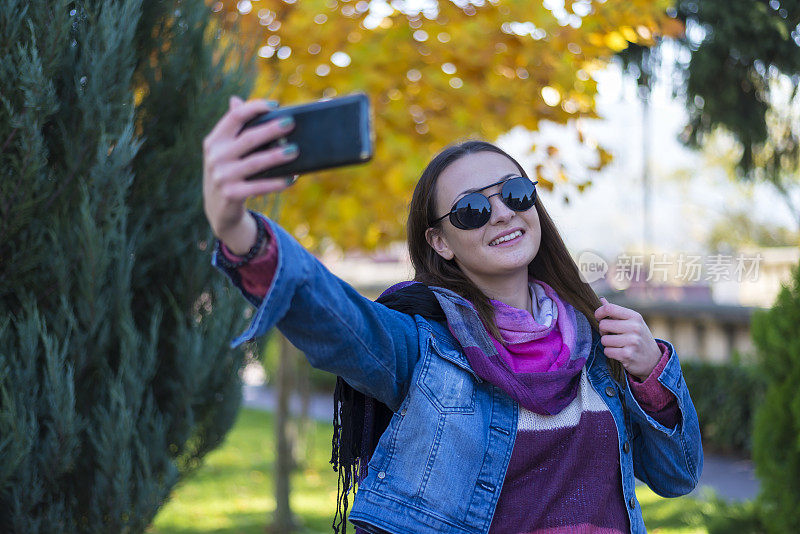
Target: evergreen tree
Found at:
115, 373
776, 435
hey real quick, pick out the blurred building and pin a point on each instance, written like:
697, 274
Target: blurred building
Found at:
371, 274
776, 268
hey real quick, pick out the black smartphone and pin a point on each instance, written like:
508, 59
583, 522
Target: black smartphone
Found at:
329, 133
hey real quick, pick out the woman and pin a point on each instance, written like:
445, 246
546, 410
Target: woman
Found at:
518, 401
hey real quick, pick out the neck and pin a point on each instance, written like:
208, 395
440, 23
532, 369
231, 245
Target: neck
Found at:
510, 289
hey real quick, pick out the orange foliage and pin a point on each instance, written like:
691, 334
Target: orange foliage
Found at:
433, 79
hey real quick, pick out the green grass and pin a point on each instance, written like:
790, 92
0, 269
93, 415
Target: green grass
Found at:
679, 515
233, 491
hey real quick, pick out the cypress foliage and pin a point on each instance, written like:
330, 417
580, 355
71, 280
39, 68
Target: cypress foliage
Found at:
776, 436
115, 372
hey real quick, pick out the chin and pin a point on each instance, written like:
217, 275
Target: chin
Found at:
510, 268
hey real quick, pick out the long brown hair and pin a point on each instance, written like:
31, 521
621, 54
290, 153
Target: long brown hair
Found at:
552, 265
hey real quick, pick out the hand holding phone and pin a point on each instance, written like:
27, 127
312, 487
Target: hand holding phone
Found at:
225, 188
329, 133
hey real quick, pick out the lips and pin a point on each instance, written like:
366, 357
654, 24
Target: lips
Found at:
494, 242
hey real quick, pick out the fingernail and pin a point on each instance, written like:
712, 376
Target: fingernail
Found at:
272, 103
290, 180
286, 122
290, 149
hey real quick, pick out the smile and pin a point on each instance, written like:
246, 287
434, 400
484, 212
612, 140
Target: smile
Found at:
505, 238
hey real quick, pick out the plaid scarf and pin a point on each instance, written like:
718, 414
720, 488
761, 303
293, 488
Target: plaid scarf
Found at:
545, 393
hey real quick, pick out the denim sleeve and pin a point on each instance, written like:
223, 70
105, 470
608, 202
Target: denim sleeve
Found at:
657, 401
669, 460
371, 346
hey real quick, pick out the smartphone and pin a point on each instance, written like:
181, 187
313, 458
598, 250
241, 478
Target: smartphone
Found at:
329, 133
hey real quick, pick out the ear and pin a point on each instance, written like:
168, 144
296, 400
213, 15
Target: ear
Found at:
438, 242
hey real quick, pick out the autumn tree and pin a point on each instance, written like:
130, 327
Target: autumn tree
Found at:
433, 77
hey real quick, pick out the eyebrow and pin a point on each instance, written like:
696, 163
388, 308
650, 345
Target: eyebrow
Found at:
474, 189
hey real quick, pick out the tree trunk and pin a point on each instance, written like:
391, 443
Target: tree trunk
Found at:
283, 519
303, 420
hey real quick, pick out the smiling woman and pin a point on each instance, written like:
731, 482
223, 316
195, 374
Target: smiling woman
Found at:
462, 260
479, 396
498, 271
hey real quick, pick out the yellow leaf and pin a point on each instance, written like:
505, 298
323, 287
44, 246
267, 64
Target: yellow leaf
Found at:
616, 42
596, 39
629, 34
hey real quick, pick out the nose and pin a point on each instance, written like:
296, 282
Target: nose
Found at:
500, 212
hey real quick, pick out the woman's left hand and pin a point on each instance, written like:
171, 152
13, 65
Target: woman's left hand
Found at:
627, 339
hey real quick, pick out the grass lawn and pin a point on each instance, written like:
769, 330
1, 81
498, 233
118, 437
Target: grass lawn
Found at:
233, 491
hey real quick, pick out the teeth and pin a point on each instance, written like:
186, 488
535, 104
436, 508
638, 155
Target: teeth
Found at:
505, 238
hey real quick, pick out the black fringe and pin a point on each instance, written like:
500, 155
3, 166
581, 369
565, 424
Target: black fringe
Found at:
360, 420
345, 445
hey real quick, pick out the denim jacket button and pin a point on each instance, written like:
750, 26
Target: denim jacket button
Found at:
381, 475
403, 411
626, 447
632, 503
610, 391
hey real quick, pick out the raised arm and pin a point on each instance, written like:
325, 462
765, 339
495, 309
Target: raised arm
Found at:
667, 452
372, 347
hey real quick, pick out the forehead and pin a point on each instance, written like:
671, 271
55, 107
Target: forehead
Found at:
472, 171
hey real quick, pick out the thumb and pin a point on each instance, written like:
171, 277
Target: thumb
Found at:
598, 315
234, 101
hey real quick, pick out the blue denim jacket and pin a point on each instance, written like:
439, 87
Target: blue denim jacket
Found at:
440, 465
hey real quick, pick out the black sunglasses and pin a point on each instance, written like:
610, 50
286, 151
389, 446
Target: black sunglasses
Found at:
474, 209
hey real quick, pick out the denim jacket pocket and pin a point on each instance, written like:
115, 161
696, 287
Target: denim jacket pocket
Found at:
450, 388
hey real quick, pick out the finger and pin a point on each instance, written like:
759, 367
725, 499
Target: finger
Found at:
253, 188
616, 353
600, 312
234, 101
616, 326
230, 123
615, 340
254, 137
613, 311
238, 170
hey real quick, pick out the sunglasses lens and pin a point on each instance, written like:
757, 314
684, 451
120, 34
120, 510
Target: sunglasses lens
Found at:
471, 211
519, 193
